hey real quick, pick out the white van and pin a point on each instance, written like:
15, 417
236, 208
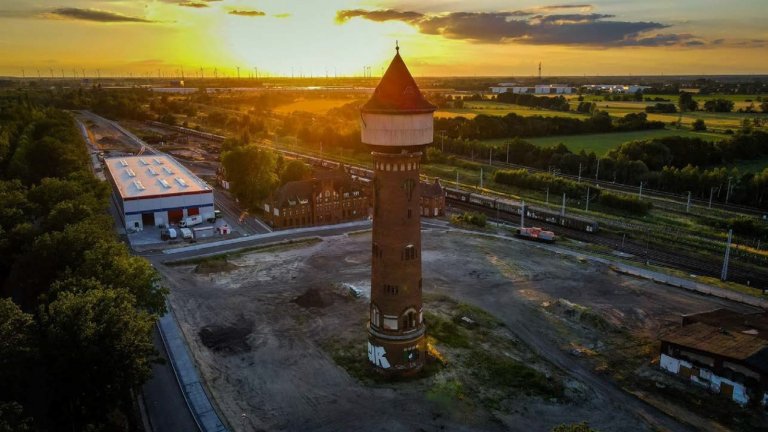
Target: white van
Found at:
191, 221
186, 233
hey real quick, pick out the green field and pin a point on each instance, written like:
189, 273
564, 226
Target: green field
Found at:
474, 108
719, 121
602, 143
756, 165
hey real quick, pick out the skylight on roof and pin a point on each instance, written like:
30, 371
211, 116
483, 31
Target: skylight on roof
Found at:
138, 185
144, 161
167, 170
165, 184
152, 171
123, 162
130, 173
181, 182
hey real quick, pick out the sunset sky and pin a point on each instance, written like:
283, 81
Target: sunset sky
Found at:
440, 37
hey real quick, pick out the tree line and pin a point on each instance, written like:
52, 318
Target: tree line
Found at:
675, 164
484, 127
76, 308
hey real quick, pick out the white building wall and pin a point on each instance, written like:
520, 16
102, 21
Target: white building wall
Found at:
133, 209
707, 379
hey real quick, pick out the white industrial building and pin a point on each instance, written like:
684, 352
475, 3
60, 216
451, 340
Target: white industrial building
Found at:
617, 88
537, 89
156, 190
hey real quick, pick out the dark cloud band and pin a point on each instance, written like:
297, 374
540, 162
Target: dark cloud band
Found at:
541, 29
94, 15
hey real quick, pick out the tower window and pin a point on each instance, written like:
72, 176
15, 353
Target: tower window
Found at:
409, 253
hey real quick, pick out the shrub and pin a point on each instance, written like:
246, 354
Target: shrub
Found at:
470, 218
627, 203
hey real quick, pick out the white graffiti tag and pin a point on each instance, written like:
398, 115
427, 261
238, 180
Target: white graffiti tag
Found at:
377, 356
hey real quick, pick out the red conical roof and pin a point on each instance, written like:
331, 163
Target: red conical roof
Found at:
397, 92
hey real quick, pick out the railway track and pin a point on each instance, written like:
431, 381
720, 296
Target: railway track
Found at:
640, 252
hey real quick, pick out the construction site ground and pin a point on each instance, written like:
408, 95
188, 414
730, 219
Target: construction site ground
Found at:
548, 339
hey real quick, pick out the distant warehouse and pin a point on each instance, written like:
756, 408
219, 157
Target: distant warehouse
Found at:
156, 190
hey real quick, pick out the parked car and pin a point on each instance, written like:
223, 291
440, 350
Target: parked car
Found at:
168, 234
186, 233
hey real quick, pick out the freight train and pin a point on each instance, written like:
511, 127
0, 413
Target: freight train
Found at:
508, 206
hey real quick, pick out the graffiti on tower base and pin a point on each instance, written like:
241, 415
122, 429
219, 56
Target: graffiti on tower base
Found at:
377, 356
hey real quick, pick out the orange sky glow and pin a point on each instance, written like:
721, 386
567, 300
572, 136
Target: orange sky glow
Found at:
342, 37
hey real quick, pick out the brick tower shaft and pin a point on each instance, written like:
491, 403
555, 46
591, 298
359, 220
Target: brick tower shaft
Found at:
397, 124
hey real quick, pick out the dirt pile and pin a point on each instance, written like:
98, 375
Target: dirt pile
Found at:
232, 339
313, 297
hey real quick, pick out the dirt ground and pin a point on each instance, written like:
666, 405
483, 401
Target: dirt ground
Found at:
259, 330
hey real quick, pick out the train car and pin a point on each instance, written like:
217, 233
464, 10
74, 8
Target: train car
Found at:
536, 234
515, 207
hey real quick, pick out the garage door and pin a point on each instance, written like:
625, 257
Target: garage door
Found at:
194, 211
175, 216
148, 219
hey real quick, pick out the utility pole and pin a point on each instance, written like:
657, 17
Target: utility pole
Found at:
711, 191
597, 170
457, 179
562, 210
481, 177
640, 195
547, 196
522, 215
238, 72
688, 205
507, 151
490, 156
724, 273
587, 207
728, 190
442, 141
579, 173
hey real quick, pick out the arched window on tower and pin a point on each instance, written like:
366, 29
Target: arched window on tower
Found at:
409, 319
375, 316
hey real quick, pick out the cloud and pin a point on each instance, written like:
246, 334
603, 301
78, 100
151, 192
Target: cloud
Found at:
282, 15
193, 4
247, 13
523, 26
92, 15
378, 15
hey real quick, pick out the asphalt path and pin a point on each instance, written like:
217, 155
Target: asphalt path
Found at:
166, 407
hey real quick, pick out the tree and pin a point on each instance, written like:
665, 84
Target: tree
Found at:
251, 172
97, 347
686, 102
718, 105
295, 170
699, 125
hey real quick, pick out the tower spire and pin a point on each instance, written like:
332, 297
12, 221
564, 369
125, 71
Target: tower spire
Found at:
397, 46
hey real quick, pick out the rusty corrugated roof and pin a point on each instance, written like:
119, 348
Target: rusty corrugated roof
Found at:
714, 340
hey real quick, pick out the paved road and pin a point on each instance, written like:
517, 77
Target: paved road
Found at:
166, 407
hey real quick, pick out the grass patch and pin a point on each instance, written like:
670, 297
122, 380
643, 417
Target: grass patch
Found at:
602, 143
446, 331
507, 375
214, 265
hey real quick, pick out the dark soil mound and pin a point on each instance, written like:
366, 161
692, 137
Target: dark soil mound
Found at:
313, 297
227, 339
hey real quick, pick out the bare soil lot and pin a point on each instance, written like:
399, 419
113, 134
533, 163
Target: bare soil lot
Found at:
271, 331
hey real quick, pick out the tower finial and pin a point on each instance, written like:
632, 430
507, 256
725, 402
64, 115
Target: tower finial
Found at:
397, 47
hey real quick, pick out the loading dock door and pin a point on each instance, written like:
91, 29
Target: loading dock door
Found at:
175, 216
148, 219
193, 211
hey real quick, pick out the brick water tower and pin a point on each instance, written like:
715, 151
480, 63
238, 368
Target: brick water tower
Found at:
396, 124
